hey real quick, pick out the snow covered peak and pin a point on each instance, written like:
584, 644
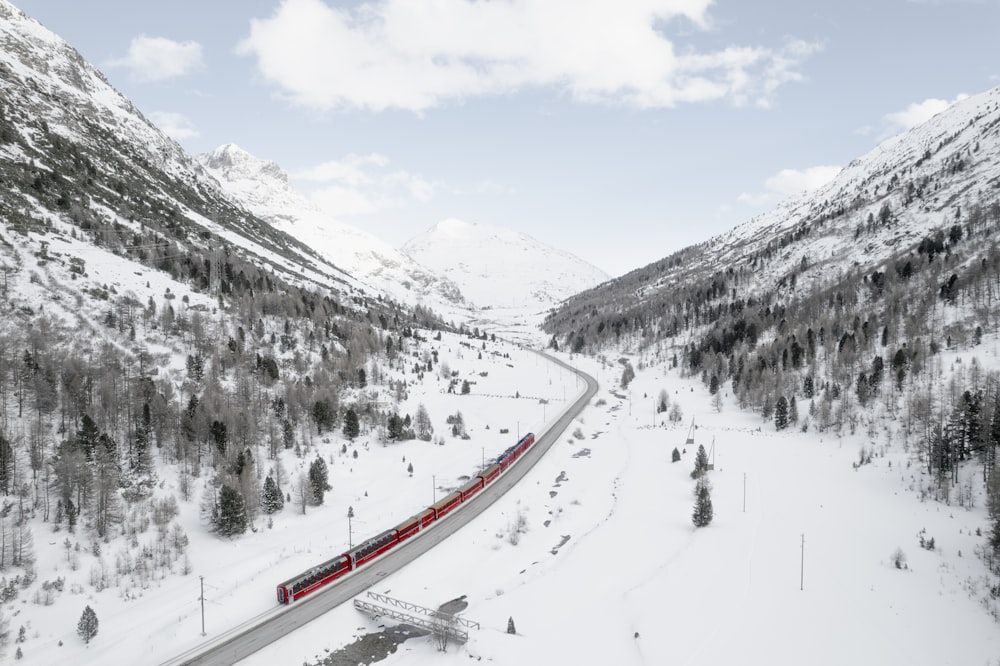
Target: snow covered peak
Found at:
237, 164
262, 187
453, 228
501, 268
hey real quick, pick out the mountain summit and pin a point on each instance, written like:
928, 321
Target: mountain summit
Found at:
500, 268
262, 187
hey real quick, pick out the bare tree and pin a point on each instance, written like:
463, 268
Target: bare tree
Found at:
303, 492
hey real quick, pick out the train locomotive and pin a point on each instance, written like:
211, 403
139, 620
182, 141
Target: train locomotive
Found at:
323, 574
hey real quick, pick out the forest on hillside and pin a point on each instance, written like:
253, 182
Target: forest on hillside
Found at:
852, 353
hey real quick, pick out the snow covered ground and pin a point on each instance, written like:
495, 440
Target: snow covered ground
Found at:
635, 583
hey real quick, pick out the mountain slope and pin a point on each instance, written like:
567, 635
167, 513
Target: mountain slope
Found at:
262, 187
898, 202
500, 268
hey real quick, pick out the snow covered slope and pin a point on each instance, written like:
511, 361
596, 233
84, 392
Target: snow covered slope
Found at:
499, 268
878, 207
262, 187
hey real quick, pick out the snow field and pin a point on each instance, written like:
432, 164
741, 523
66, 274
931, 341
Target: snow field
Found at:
728, 593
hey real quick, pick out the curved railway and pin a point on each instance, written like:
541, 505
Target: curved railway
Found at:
242, 641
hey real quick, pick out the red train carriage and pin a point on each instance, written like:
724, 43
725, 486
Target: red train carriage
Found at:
490, 474
471, 488
373, 547
313, 579
413, 524
442, 508
525, 443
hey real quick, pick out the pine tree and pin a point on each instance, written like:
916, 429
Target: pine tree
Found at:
781, 413
6, 464
675, 456
793, 410
230, 516
395, 428
510, 625
352, 428
700, 463
319, 480
628, 374
87, 626
272, 499
703, 512
663, 401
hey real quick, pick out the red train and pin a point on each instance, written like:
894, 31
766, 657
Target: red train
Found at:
329, 571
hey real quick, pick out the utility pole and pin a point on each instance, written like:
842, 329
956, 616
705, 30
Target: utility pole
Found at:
350, 514
802, 566
202, 597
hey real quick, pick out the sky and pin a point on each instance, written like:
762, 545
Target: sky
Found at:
667, 121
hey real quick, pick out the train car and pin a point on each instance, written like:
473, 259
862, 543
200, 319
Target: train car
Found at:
315, 578
374, 547
414, 524
471, 488
442, 508
490, 474
506, 458
427, 517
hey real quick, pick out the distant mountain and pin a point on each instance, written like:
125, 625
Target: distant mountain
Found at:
502, 269
262, 187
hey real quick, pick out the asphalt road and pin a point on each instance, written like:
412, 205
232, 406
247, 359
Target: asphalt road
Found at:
245, 639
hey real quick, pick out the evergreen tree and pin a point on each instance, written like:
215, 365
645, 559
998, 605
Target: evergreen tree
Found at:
87, 436
793, 410
395, 428
663, 401
352, 428
230, 516
700, 462
628, 374
272, 500
675, 456
510, 625
781, 413
703, 511
466, 387
6, 464
319, 480
87, 626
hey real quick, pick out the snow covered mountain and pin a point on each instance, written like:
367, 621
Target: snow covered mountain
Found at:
75, 150
503, 269
929, 192
262, 187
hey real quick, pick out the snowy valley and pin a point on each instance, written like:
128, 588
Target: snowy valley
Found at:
208, 385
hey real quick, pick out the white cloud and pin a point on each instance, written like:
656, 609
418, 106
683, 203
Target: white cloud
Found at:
350, 170
916, 113
362, 184
418, 54
175, 125
788, 182
341, 201
159, 58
